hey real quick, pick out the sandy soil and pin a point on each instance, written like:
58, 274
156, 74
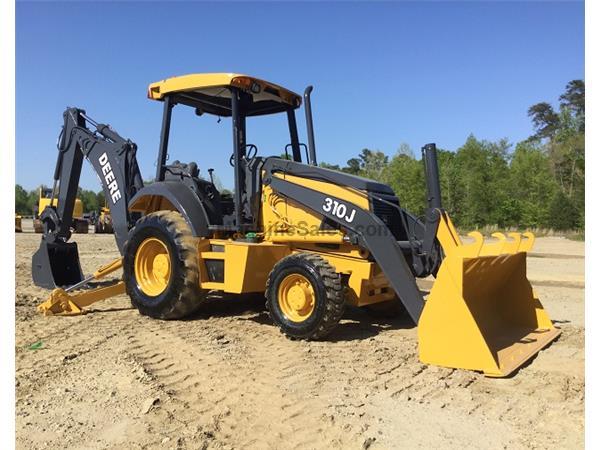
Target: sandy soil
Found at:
226, 378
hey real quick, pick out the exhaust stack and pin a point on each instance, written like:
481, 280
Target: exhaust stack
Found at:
309, 127
429, 156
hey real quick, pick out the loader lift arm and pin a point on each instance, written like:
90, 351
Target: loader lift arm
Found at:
113, 158
371, 233
379, 242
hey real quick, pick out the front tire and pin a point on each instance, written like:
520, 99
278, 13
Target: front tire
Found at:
160, 265
305, 297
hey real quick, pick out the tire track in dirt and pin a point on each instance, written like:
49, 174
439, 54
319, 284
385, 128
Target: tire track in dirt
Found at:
227, 378
202, 371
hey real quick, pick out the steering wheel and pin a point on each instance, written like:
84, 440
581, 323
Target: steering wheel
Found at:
250, 154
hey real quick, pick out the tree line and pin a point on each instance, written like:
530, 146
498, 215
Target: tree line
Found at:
26, 201
538, 183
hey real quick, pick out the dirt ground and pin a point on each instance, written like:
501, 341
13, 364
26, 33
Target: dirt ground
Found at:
226, 378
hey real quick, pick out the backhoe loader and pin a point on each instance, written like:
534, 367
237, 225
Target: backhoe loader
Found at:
103, 224
312, 240
78, 223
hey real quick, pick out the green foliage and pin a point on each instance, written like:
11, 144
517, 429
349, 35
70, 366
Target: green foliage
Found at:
369, 164
404, 174
100, 199
531, 185
353, 166
562, 213
325, 165
25, 202
89, 200
450, 186
574, 100
539, 184
372, 163
21, 200
545, 120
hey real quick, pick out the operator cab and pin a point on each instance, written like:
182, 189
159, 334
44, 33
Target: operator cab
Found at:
236, 96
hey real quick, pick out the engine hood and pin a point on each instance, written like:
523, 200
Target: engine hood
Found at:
274, 164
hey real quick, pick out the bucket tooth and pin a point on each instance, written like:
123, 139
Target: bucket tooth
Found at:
527, 244
512, 247
469, 250
494, 248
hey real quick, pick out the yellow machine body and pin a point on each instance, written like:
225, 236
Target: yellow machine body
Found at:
289, 228
77, 209
212, 84
481, 313
18, 223
79, 223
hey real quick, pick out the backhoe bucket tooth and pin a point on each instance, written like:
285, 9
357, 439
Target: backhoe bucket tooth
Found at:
482, 314
56, 264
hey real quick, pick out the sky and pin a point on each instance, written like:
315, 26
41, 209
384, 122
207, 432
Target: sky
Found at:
383, 73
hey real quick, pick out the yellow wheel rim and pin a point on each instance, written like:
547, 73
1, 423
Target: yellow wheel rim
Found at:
296, 297
152, 267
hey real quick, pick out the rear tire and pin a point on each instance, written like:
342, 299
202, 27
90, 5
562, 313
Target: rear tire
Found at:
38, 227
311, 276
81, 226
180, 293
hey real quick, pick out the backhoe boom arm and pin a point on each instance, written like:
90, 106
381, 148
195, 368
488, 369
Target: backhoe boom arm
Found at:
113, 158
114, 161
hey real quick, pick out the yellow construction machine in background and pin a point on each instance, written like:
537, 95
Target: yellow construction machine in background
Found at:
18, 223
312, 240
79, 223
103, 223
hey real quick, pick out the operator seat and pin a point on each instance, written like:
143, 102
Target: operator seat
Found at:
189, 174
251, 197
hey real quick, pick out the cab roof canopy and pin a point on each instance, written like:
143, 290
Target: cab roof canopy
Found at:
210, 93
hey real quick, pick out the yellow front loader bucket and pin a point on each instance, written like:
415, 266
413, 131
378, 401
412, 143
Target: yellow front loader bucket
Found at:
482, 313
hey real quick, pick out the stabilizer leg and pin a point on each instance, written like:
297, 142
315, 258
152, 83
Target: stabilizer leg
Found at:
62, 303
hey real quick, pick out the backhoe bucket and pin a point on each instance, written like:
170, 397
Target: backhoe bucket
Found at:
56, 265
482, 313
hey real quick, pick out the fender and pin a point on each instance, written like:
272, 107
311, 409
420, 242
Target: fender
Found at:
180, 196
